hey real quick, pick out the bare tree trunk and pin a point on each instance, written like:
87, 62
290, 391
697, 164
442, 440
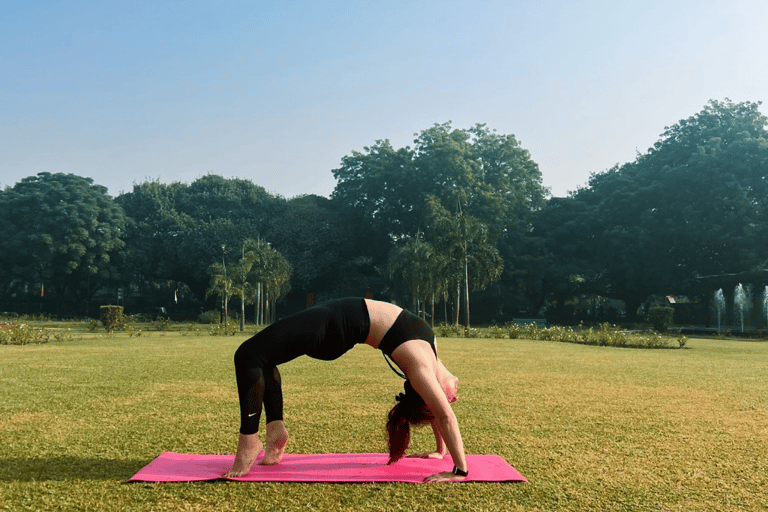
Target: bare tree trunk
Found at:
457, 305
259, 313
226, 313
242, 313
466, 290
432, 320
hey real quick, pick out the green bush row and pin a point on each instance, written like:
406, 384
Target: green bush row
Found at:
606, 335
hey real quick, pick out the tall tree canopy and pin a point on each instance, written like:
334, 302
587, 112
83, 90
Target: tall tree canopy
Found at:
61, 232
694, 204
459, 210
474, 173
177, 230
316, 239
490, 174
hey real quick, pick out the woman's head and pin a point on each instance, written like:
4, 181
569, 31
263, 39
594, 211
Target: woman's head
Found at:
410, 409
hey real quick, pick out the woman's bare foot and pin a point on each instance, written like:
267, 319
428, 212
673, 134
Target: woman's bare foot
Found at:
277, 439
248, 448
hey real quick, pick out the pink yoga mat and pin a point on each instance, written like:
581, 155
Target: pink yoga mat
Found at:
329, 467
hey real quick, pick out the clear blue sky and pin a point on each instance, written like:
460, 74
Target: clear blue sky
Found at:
279, 92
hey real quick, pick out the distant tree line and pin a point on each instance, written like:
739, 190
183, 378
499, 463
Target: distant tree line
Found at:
695, 204
459, 221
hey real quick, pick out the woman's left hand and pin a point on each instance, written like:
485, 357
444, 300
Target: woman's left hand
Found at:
426, 455
446, 476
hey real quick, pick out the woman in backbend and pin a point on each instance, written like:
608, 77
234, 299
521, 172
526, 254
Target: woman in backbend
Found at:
326, 332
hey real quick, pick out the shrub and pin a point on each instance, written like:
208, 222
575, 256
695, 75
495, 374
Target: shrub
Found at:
604, 335
209, 317
111, 317
162, 323
63, 335
494, 332
474, 333
660, 317
221, 330
12, 334
449, 330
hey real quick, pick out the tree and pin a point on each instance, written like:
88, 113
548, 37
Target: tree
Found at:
215, 197
381, 186
489, 174
465, 241
266, 274
200, 244
221, 284
60, 232
176, 230
695, 204
241, 282
278, 281
417, 269
316, 239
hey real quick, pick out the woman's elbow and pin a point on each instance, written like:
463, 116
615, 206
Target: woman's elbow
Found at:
445, 417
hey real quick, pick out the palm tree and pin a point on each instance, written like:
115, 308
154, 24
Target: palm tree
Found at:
419, 270
464, 240
277, 282
242, 285
266, 278
407, 268
221, 284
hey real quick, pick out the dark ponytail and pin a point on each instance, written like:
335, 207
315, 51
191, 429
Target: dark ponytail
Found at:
410, 409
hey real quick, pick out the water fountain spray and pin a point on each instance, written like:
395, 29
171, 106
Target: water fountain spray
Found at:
740, 303
720, 305
765, 304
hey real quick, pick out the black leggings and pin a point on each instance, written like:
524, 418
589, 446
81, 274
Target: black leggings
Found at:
326, 332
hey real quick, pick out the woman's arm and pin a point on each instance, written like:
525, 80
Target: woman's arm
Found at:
425, 383
440, 448
439, 443
418, 363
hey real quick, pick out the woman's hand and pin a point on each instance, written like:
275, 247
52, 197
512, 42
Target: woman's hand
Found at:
445, 476
426, 455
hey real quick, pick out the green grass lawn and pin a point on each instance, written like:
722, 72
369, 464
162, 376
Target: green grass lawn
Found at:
592, 428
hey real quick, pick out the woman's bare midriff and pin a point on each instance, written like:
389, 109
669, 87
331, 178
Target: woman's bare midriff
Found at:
382, 316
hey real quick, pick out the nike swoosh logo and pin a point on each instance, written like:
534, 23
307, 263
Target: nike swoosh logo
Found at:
252, 414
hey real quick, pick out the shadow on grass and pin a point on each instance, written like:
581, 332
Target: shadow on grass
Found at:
67, 468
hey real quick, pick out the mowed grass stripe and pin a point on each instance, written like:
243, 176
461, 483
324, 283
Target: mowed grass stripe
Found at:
591, 427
